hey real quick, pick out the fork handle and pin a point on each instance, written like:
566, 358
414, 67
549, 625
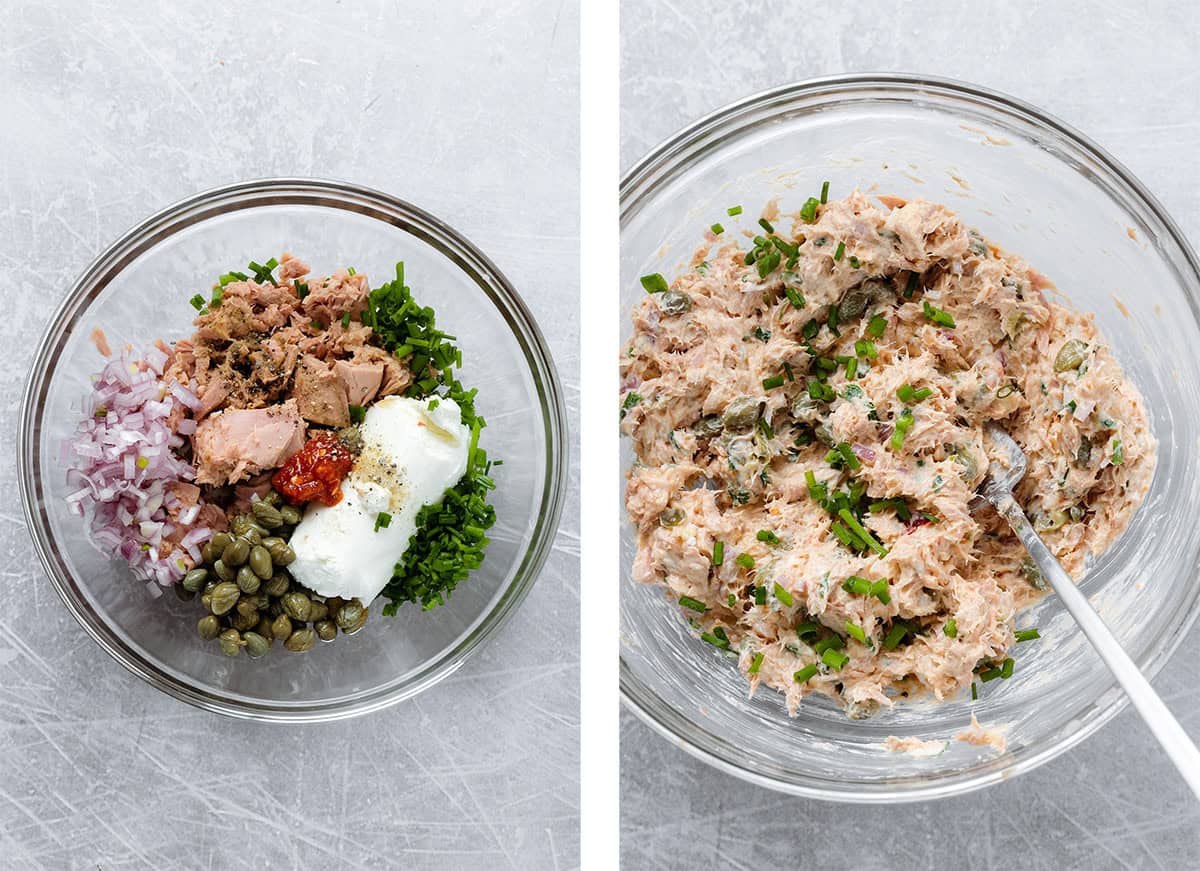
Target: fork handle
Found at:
1162, 723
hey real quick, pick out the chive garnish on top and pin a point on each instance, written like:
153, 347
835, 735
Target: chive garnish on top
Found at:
655, 283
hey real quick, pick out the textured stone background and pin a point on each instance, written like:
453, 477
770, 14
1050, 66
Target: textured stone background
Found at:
113, 110
1121, 72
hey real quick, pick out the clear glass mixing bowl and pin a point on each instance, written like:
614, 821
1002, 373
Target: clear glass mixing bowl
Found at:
1033, 186
139, 289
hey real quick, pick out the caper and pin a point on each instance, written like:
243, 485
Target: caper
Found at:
333, 603
297, 606
862, 710
1052, 521
351, 616
224, 572
236, 553
209, 553
275, 608
674, 302
301, 640
277, 586
970, 466
326, 630
224, 597
267, 515
1076, 512
274, 544
318, 611
242, 622
256, 645
206, 600
290, 515
264, 628
260, 562
1070, 355
741, 414
183, 593
286, 557
1083, 456
231, 642
241, 523
247, 607
247, 581
670, 517
272, 497
708, 426
209, 627
220, 541
195, 580
281, 626
1033, 575
252, 536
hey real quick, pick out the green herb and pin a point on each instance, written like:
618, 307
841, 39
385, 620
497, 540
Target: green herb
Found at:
631, 399
833, 320
816, 490
803, 675
692, 604
856, 631
847, 454
760, 595
717, 638
824, 192
835, 659
787, 370
841, 249
765, 428
1026, 635
382, 520
783, 595
903, 424
756, 664
876, 326
357, 413
762, 335
217, 295
733, 210
811, 328
989, 674
1006, 670
655, 283
855, 584
718, 554
862, 532
772, 382
808, 212
910, 396
350, 271
1118, 454
830, 642
768, 536
865, 348
937, 316
806, 629
744, 560
732, 600
718, 229
794, 297
197, 302
264, 272
230, 277
950, 629
879, 589
974, 691
854, 262
766, 225
910, 286
301, 290
346, 321
895, 635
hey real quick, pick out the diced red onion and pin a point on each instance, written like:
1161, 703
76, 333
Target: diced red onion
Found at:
863, 452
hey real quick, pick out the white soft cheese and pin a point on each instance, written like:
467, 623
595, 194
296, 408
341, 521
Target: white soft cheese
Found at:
411, 455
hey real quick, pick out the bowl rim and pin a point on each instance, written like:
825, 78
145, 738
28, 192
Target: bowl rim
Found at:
640, 180
345, 196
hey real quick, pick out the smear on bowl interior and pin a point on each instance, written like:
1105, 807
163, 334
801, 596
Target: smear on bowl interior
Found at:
305, 451
808, 415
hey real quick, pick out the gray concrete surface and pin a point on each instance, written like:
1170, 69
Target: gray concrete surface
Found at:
1121, 73
111, 111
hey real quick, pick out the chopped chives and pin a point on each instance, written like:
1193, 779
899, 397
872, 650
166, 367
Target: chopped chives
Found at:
718, 555
903, 424
855, 262
807, 629
768, 536
718, 229
937, 316
817, 491
831, 642
865, 348
1006, 670
909, 395
733, 210
794, 297
346, 321
824, 192
717, 638
766, 225
842, 534
692, 604
989, 674
787, 370
826, 364
895, 635
841, 249
1118, 454
783, 595
757, 663
862, 532
851, 368
1026, 635
833, 319
876, 326
654, 283
879, 589
760, 595
835, 659
856, 631
852, 462
772, 382
855, 584
732, 600
811, 329
217, 295
382, 520
950, 629
808, 212
357, 413
910, 286
745, 560
974, 691
805, 673
197, 302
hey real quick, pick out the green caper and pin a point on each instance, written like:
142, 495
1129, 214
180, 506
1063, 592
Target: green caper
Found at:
1033, 575
220, 541
256, 645
351, 616
264, 628
297, 606
286, 557
241, 523
1070, 355
195, 580
247, 607
1083, 456
224, 597
709, 426
741, 414
1076, 512
301, 640
242, 622
247, 581
970, 466
252, 536
290, 515
318, 611
277, 586
209, 553
231, 642
333, 603
267, 515
209, 627
183, 593
237, 553
275, 608
272, 497
274, 544
260, 562
326, 630
224, 572
674, 302
281, 626
670, 517
206, 600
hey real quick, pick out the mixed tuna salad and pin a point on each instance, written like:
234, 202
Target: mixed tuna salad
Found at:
808, 417
307, 450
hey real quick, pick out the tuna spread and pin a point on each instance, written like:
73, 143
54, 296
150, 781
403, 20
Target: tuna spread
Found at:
808, 421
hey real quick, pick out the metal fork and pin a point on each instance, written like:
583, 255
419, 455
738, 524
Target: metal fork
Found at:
997, 489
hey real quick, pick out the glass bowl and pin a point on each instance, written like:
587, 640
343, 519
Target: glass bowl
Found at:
138, 290
1033, 186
